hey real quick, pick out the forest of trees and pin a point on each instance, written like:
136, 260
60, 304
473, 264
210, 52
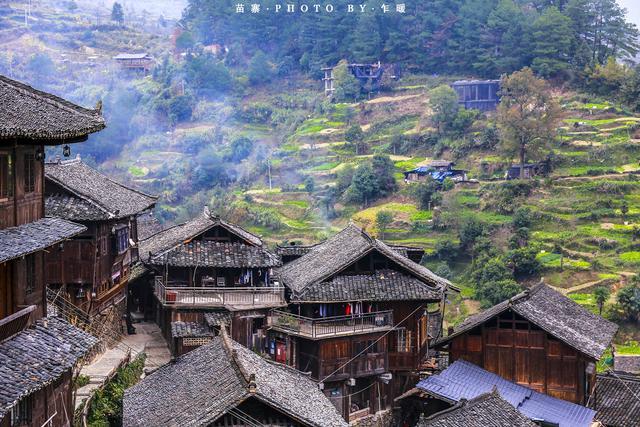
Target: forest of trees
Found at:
556, 38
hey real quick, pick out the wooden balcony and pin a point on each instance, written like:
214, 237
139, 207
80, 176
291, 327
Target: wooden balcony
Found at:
343, 367
18, 321
328, 327
237, 298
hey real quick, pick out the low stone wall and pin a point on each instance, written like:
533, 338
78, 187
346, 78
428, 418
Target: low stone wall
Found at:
379, 419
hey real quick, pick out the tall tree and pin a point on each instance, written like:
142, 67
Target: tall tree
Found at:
551, 37
260, 71
505, 40
527, 115
600, 26
443, 102
347, 87
117, 13
601, 295
383, 219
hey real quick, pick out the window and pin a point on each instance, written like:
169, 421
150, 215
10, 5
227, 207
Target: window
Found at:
6, 178
21, 413
29, 173
30, 262
367, 347
403, 340
122, 240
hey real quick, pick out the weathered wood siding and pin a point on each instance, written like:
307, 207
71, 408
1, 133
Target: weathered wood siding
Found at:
519, 351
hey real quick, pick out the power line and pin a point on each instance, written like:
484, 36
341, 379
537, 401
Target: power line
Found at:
373, 343
354, 393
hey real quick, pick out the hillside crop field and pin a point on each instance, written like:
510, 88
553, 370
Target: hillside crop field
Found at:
282, 183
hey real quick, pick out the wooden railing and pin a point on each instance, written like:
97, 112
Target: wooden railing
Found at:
11, 325
331, 326
356, 415
258, 297
343, 367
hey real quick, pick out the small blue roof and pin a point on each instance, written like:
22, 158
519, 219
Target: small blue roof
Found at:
464, 380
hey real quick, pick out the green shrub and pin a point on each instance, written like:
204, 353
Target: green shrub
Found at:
106, 405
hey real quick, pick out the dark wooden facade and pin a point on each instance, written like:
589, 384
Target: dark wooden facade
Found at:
93, 268
244, 293
49, 406
21, 202
481, 95
383, 364
519, 351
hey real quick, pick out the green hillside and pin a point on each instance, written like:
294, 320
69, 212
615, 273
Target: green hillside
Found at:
262, 145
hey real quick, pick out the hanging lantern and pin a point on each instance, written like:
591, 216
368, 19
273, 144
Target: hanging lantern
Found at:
40, 154
80, 294
66, 150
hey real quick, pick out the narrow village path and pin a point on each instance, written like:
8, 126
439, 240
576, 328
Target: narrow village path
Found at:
147, 339
624, 275
580, 287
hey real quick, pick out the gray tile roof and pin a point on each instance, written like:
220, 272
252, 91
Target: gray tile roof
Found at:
629, 363
617, 400
485, 410
216, 254
38, 356
217, 318
35, 236
32, 114
201, 386
173, 236
148, 225
189, 329
91, 195
464, 380
383, 285
137, 271
297, 250
556, 314
334, 255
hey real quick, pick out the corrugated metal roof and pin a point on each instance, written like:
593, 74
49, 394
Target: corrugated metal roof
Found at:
464, 380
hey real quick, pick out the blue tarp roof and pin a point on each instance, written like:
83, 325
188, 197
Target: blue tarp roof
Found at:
464, 380
436, 175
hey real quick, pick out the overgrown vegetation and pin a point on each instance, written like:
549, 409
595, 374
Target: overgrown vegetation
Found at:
106, 405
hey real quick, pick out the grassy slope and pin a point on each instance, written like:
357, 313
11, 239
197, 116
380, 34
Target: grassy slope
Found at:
579, 208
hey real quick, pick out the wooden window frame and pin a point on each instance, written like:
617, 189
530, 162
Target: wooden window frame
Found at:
6, 176
29, 173
22, 412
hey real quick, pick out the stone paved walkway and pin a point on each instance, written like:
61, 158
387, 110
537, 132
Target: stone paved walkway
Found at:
147, 339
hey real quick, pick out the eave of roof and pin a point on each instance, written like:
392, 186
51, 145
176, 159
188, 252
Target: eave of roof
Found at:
30, 114
38, 356
109, 199
481, 411
342, 250
583, 342
200, 387
170, 238
383, 285
35, 236
216, 254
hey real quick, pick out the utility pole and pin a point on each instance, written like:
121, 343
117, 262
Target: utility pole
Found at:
269, 171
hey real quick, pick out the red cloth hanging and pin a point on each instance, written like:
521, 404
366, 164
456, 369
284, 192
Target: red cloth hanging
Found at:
348, 311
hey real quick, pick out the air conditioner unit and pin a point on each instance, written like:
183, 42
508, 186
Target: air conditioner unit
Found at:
321, 386
351, 382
